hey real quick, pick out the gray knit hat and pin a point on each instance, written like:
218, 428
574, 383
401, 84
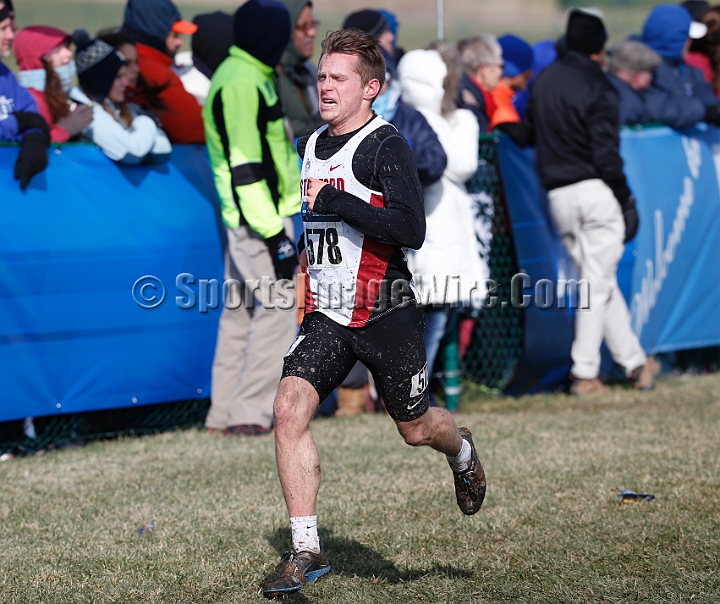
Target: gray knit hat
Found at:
633, 56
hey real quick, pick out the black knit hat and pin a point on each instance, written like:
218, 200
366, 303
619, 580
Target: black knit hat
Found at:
370, 21
262, 28
585, 33
97, 64
7, 10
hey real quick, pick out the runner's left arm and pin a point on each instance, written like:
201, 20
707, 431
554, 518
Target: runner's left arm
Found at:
390, 168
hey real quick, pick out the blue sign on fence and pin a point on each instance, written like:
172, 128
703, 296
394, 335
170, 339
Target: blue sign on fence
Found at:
72, 335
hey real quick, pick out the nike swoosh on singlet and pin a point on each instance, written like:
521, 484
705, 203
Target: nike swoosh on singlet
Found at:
334, 167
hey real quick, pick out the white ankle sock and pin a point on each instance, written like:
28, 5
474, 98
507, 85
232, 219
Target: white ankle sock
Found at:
462, 461
304, 534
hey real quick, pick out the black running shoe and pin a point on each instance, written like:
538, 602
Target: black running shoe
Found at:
470, 483
295, 570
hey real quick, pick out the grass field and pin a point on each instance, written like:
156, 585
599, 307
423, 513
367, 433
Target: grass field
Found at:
551, 529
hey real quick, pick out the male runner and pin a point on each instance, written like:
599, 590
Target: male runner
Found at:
364, 206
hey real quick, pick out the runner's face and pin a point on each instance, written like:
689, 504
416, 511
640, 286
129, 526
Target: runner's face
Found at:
345, 104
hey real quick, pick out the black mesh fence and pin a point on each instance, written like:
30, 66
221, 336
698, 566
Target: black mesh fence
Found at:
495, 343
58, 430
497, 335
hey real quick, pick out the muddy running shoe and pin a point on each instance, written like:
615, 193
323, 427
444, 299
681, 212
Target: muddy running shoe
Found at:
470, 484
295, 570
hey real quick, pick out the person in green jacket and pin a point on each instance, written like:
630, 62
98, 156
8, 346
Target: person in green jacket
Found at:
258, 181
296, 75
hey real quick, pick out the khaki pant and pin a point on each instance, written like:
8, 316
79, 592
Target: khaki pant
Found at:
251, 343
590, 223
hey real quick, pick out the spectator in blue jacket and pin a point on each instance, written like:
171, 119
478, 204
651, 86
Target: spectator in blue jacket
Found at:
631, 66
669, 30
19, 117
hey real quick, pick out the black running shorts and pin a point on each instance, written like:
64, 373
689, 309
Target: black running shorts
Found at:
392, 348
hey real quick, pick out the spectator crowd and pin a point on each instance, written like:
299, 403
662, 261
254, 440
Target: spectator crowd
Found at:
248, 87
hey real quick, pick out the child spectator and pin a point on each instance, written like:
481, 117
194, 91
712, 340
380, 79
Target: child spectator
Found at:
119, 128
47, 70
155, 26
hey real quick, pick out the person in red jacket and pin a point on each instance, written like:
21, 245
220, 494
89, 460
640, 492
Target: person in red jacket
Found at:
156, 25
46, 69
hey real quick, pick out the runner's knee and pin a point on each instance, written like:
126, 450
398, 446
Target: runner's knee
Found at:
414, 432
294, 406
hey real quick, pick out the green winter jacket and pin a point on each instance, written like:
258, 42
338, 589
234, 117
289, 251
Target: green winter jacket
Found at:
256, 168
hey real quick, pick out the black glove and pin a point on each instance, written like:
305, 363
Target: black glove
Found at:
29, 119
516, 131
32, 157
712, 115
76, 121
283, 254
631, 218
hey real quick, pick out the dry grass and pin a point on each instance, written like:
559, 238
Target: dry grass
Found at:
550, 531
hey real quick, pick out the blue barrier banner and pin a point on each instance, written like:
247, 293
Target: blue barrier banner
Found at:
73, 334
669, 273
674, 298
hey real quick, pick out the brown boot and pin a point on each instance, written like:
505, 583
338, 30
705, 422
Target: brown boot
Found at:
587, 387
350, 401
644, 377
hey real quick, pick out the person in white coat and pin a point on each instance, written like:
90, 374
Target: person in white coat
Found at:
120, 129
447, 269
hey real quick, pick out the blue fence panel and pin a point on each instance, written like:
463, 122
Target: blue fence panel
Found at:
72, 337
675, 290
